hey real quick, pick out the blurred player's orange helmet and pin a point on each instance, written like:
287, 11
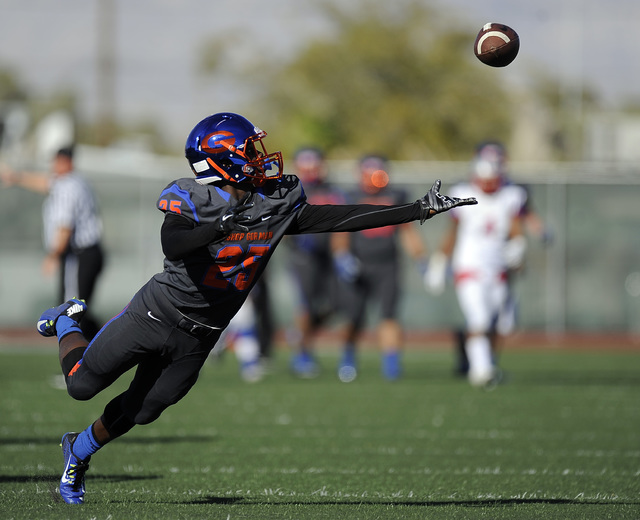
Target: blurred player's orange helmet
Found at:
488, 168
374, 174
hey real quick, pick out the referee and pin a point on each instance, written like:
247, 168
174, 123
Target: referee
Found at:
72, 230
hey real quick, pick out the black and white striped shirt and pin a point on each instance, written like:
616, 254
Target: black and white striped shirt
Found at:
72, 204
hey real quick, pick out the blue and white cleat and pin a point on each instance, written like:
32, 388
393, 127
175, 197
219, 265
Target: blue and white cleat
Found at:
73, 308
251, 371
304, 366
72, 481
347, 371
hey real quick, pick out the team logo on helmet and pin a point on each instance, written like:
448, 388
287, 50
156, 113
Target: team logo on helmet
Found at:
218, 142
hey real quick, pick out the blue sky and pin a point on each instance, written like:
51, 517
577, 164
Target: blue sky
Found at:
52, 45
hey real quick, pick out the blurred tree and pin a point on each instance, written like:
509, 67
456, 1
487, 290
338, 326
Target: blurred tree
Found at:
10, 87
145, 132
567, 109
397, 79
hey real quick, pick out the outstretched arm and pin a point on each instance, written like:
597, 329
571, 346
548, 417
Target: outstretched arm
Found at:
181, 236
33, 181
356, 217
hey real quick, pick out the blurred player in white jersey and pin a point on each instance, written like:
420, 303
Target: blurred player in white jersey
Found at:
483, 249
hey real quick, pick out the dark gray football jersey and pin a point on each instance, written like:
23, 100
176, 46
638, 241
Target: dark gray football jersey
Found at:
380, 245
212, 283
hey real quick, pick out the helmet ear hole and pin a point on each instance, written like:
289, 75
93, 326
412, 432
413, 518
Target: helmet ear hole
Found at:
225, 163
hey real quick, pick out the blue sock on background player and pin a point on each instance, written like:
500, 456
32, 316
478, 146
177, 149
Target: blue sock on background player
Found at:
391, 367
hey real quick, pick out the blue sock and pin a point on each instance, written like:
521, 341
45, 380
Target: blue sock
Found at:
349, 354
65, 326
391, 367
85, 444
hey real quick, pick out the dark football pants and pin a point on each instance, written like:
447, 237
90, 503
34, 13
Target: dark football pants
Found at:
377, 282
147, 335
316, 284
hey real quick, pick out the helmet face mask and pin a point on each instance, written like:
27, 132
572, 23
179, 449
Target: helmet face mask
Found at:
226, 147
260, 164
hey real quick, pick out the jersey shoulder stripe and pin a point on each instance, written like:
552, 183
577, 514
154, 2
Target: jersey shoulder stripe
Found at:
174, 199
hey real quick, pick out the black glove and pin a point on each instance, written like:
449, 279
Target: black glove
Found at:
232, 221
434, 200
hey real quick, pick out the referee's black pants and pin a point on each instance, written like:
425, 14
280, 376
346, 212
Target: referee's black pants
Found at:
79, 272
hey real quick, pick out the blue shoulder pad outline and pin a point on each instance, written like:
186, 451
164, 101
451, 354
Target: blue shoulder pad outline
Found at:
176, 200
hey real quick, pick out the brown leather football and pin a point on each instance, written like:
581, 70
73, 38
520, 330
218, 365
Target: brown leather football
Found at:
496, 45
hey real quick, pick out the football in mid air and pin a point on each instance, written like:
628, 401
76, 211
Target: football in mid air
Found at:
496, 45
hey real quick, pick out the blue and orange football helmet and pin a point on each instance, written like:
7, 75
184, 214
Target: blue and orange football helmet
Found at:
226, 147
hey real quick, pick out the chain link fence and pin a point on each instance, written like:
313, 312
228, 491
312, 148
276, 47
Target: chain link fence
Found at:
586, 280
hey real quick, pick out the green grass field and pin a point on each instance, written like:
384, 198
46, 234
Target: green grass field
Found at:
559, 439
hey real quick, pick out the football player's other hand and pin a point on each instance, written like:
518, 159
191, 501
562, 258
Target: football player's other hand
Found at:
547, 236
422, 266
435, 276
233, 219
50, 265
8, 176
347, 266
435, 202
514, 252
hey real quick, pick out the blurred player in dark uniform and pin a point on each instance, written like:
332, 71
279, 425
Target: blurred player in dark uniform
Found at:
310, 261
220, 229
265, 321
369, 261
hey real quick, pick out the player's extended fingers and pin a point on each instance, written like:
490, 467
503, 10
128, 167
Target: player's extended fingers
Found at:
466, 202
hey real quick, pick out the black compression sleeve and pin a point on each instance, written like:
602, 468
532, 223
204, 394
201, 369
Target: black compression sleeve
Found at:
180, 236
352, 217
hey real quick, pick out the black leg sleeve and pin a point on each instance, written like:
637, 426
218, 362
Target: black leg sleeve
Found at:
114, 419
70, 360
